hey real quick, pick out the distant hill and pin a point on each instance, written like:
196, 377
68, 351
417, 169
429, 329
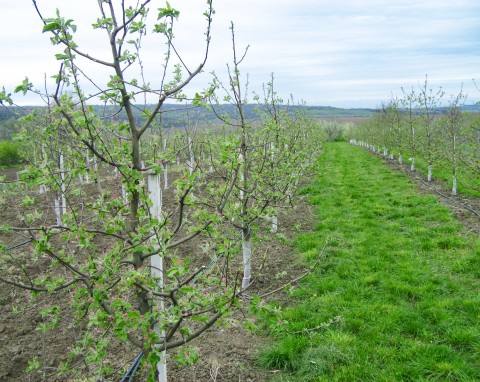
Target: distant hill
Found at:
176, 115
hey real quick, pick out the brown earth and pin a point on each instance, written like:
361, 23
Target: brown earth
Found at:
226, 353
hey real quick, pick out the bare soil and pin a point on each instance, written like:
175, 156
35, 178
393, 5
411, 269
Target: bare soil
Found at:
226, 353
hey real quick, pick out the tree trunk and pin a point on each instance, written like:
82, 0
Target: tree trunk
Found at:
156, 265
247, 257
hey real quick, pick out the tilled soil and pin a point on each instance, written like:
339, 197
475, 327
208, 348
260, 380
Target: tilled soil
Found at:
227, 353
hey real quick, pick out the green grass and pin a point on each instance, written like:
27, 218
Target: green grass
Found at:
399, 271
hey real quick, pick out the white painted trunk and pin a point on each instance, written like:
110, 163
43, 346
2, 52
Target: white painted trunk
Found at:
430, 173
165, 176
392, 155
87, 161
241, 178
124, 194
156, 265
247, 261
400, 159
165, 167
454, 187
57, 211
412, 166
63, 200
191, 160
274, 228
274, 224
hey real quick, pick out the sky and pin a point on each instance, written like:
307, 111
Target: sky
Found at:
347, 53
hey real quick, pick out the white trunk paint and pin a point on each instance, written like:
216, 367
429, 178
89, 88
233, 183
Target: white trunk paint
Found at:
156, 265
247, 261
430, 172
274, 224
400, 159
191, 158
124, 194
57, 211
412, 167
274, 228
241, 178
165, 167
454, 187
165, 176
87, 162
63, 200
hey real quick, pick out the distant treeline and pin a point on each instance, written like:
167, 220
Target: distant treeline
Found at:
176, 115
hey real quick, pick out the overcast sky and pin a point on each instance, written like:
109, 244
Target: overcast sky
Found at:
347, 53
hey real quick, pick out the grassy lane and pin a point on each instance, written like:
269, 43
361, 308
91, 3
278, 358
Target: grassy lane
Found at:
397, 297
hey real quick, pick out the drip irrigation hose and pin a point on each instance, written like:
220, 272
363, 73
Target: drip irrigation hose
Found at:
128, 377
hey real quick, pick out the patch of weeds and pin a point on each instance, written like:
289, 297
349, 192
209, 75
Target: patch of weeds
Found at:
286, 356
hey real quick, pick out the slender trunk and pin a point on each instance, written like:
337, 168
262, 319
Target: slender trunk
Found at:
412, 167
247, 257
454, 149
191, 157
57, 211
87, 163
165, 176
63, 200
454, 188
274, 228
156, 266
400, 159
274, 224
430, 171
165, 167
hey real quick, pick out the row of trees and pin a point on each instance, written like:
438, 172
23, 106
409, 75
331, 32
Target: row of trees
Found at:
153, 268
431, 131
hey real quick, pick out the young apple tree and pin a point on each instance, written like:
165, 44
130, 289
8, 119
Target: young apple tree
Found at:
120, 257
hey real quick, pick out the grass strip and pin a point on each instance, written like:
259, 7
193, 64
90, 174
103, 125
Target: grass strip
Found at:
397, 297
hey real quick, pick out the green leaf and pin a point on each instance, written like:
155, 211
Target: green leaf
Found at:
24, 87
55, 26
62, 56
